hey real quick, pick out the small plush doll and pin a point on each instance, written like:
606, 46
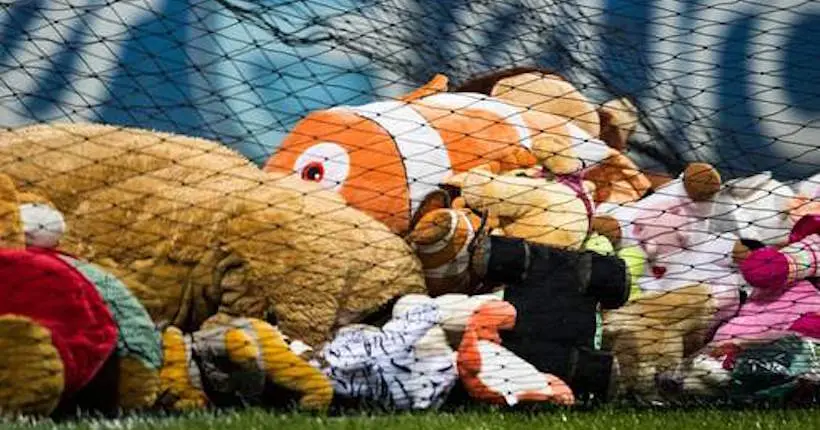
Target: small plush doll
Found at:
493, 374
556, 294
406, 364
785, 287
65, 322
232, 364
672, 230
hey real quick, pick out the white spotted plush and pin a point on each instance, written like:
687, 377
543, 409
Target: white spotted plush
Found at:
43, 225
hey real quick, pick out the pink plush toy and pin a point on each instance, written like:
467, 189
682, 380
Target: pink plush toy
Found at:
785, 297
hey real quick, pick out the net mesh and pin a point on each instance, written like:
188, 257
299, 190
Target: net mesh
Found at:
407, 204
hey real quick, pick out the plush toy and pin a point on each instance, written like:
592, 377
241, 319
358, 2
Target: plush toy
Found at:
64, 320
784, 287
807, 199
556, 294
197, 232
554, 213
385, 157
232, 364
689, 286
407, 364
616, 177
672, 229
493, 374
754, 208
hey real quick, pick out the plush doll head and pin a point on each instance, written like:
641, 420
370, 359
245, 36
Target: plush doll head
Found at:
674, 217
598, 134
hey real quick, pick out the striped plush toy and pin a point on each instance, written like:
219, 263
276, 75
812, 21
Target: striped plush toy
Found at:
386, 157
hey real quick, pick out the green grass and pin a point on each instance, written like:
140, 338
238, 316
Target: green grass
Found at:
603, 419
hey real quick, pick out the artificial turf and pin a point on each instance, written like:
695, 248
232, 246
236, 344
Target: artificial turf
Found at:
603, 419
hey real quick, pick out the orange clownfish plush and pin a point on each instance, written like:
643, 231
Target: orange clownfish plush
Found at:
386, 157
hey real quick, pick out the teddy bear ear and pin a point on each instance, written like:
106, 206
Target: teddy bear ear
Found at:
608, 227
618, 118
701, 181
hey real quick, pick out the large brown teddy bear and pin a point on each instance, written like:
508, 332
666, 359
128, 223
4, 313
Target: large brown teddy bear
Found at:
202, 235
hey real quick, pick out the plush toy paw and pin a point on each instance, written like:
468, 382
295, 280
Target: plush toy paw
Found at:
31, 370
239, 356
180, 381
138, 385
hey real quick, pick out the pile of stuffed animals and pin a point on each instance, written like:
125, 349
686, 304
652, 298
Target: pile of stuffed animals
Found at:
501, 245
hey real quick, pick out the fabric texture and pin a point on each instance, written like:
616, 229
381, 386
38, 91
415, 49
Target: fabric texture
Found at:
49, 291
382, 365
137, 334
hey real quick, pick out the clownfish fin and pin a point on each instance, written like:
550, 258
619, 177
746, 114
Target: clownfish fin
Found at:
436, 199
438, 84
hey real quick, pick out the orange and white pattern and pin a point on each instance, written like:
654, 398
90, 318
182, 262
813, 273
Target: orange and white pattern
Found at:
385, 157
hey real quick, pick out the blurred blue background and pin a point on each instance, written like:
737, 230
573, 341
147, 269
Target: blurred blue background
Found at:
737, 84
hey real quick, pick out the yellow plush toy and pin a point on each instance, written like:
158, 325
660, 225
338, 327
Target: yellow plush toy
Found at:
197, 232
233, 362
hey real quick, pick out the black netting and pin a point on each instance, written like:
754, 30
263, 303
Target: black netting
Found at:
407, 204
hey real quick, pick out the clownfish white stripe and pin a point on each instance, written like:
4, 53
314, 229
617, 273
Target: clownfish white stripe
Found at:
589, 150
510, 113
442, 243
425, 157
460, 263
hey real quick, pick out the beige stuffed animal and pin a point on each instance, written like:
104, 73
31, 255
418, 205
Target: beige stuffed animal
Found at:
199, 233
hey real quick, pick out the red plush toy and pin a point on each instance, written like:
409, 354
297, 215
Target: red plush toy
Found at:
56, 331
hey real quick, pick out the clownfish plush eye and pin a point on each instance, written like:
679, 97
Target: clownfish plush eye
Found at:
314, 171
325, 163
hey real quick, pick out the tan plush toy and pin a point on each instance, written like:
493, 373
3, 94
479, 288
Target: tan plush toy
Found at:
596, 136
553, 213
199, 233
